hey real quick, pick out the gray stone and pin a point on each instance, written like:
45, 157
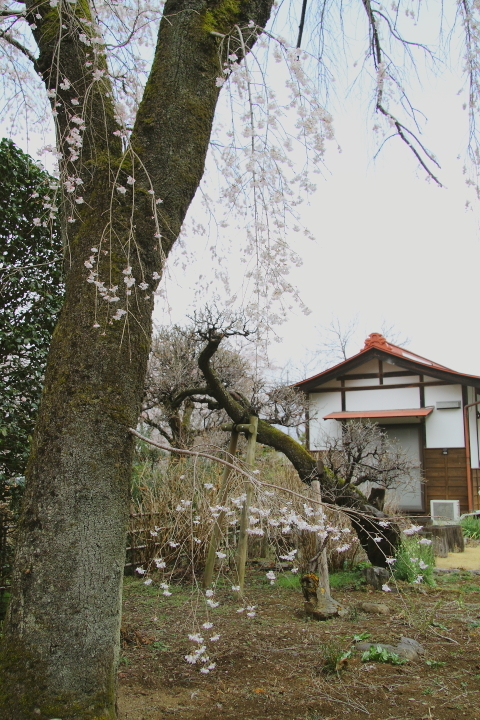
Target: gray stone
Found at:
374, 608
407, 648
413, 644
376, 576
406, 652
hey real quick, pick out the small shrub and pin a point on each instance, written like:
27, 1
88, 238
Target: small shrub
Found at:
335, 658
471, 527
376, 653
414, 562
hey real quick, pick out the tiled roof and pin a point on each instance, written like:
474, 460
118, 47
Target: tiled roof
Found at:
377, 346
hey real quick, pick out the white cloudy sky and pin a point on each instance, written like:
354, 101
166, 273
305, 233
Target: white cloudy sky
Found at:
389, 246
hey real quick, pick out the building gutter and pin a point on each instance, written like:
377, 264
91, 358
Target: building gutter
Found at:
466, 431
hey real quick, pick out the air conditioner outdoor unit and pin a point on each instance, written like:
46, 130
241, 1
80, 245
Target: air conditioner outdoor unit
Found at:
445, 511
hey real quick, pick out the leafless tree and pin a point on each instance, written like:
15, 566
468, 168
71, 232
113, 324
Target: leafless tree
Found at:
176, 402
364, 453
337, 340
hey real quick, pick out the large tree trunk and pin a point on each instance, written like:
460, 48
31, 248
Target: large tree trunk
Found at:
61, 641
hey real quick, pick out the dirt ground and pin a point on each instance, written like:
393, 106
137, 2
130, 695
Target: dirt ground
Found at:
272, 665
469, 559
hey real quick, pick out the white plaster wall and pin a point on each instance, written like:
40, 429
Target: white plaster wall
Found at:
391, 367
385, 399
329, 384
362, 382
323, 404
369, 367
444, 428
401, 380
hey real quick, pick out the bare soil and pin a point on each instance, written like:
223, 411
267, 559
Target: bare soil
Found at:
272, 666
469, 559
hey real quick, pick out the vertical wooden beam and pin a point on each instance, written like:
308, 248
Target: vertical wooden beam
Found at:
217, 528
243, 535
307, 428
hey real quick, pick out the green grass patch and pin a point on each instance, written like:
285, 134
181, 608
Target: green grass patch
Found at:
288, 581
334, 658
347, 579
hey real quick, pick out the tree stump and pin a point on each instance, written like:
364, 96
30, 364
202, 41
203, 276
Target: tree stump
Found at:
318, 604
446, 538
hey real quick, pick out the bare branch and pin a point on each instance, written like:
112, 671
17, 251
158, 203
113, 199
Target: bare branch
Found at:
11, 40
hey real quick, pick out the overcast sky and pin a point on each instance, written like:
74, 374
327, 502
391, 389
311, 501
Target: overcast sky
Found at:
389, 246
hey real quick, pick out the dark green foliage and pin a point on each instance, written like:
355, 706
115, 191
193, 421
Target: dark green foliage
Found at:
31, 294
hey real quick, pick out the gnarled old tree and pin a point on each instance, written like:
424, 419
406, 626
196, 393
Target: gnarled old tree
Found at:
61, 640
176, 402
378, 536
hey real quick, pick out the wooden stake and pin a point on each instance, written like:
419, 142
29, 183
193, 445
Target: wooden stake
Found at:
322, 566
243, 536
217, 528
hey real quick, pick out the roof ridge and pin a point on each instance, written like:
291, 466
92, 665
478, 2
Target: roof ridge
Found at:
376, 341
379, 341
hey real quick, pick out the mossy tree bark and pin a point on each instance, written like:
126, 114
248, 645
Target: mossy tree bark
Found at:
61, 641
365, 517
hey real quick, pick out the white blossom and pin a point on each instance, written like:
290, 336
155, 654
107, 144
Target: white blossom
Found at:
413, 529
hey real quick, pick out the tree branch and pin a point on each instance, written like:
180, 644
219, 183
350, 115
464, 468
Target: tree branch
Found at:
188, 392
8, 38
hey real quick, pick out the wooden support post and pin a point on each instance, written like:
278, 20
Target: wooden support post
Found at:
322, 564
319, 603
243, 535
217, 528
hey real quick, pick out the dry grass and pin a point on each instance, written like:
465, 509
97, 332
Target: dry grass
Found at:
176, 503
